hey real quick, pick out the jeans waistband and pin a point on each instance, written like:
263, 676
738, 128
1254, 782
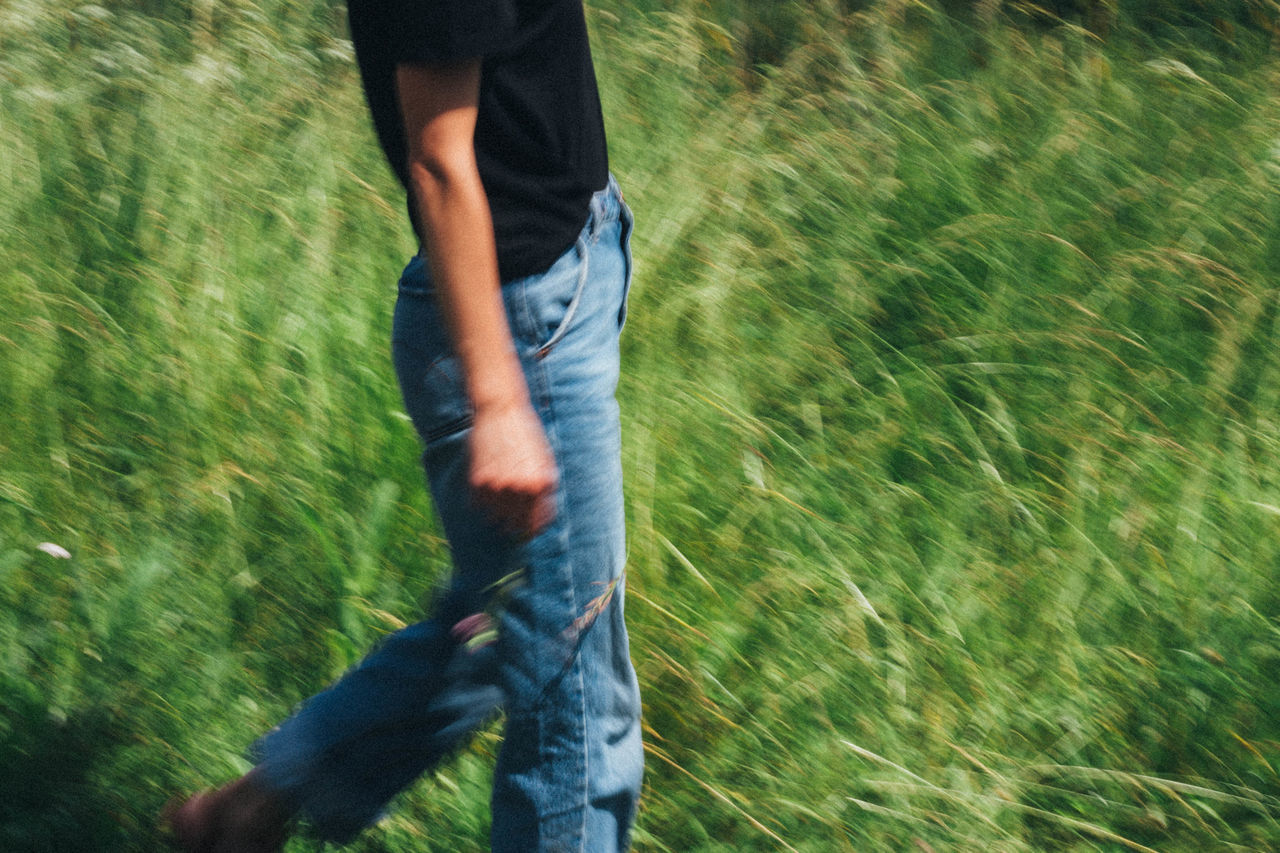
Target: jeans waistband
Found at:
606, 205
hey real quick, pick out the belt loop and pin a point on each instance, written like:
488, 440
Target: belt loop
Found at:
599, 207
605, 206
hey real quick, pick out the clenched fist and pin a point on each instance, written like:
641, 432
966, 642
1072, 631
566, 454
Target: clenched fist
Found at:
513, 473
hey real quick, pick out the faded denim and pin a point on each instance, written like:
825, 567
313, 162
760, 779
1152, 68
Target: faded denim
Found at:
569, 771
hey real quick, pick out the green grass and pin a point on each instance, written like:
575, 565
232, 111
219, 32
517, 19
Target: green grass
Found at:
949, 423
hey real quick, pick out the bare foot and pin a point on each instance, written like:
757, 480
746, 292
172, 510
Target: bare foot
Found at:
240, 817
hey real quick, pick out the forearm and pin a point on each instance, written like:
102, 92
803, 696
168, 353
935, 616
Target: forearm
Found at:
460, 249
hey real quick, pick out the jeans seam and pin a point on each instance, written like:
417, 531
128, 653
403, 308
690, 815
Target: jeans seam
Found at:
584, 804
550, 422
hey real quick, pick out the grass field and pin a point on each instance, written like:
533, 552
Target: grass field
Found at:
951, 420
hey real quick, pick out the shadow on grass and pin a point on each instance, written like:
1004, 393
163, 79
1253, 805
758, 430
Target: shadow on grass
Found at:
47, 764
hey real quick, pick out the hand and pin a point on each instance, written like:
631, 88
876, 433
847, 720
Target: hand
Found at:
513, 473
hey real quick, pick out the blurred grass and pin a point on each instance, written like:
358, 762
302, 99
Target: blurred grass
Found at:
950, 419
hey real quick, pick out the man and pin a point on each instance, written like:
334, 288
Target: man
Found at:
505, 346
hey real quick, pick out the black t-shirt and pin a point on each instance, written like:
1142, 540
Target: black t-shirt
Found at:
539, 139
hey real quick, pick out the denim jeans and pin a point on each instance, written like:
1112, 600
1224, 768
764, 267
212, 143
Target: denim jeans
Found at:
533, 629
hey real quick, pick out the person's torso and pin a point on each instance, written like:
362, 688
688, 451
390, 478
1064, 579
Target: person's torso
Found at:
540, 143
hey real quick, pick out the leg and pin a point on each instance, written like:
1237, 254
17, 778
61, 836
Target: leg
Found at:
569, 772
349, 749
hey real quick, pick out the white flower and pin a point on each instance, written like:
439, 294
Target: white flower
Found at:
54, 550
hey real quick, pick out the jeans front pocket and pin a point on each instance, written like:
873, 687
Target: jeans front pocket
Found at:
542, 308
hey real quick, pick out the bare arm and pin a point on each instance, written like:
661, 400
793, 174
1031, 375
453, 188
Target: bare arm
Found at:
513, 474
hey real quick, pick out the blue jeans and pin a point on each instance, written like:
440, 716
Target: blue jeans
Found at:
533, 629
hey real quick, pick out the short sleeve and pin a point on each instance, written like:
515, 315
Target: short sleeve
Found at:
447, 30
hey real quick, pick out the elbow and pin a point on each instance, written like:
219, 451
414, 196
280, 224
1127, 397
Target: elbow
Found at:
438, 172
